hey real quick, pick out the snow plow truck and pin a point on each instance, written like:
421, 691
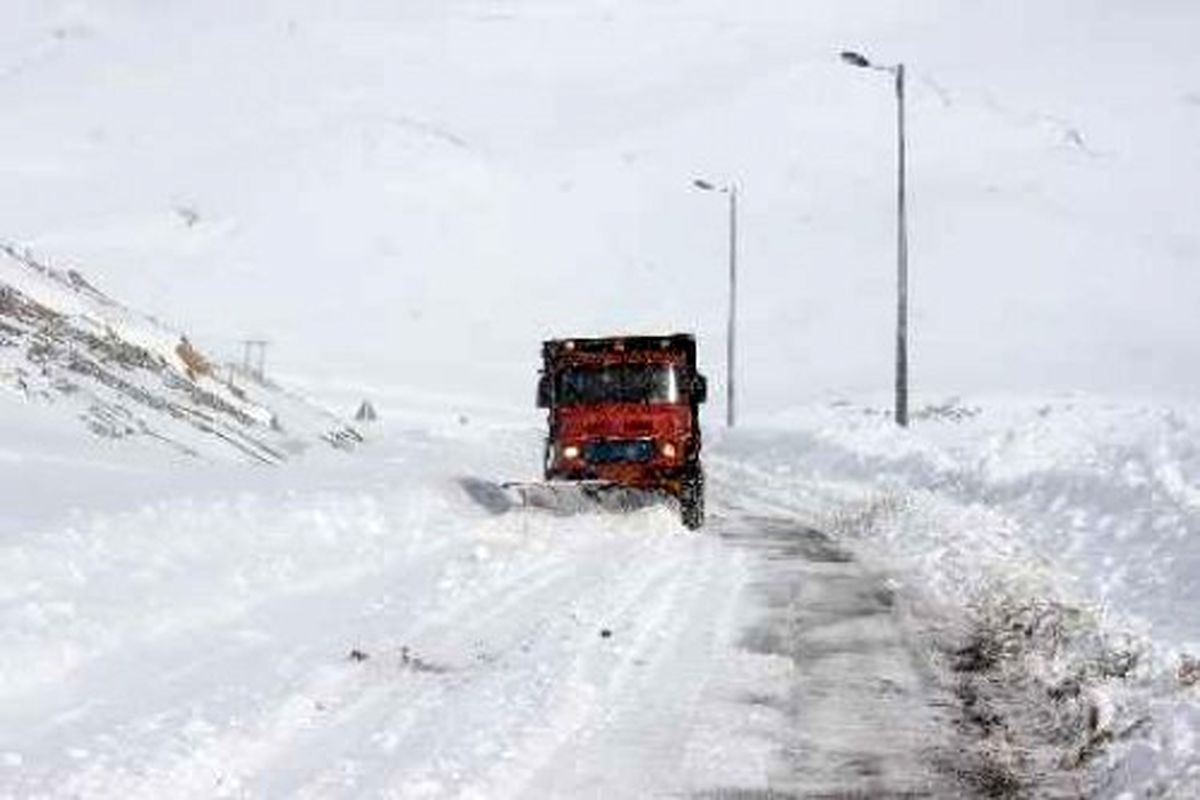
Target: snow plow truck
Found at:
623, 419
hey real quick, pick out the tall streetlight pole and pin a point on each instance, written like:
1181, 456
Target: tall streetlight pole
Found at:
731, 191
897, 72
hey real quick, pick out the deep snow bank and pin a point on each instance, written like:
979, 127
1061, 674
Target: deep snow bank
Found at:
1109, 492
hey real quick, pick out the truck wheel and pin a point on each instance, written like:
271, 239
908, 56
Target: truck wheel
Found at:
691, 500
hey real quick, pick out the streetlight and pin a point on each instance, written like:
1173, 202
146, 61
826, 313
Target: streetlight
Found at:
897, 72
731, 191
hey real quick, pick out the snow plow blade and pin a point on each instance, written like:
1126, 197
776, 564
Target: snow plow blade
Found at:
560, 497
575, 497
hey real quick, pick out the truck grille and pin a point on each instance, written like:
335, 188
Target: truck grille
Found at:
613, 451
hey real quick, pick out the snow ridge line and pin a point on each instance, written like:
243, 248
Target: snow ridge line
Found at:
659, 603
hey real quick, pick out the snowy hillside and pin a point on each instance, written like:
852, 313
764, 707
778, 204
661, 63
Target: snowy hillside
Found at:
123, 375
450, 181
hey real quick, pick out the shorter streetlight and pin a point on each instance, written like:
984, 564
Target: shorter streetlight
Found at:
897, 72
731, 191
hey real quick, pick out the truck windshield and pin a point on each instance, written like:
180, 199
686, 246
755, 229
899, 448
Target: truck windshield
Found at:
619, 383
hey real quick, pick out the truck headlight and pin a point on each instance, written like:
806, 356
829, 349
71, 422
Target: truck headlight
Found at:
668, 450
570, 451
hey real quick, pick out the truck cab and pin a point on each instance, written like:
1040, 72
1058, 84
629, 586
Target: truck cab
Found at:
625, 411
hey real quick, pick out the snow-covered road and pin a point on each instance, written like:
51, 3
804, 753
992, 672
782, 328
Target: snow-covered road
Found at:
367, 626
396, 639
864, 715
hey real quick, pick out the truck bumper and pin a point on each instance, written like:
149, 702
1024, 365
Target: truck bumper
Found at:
632, 476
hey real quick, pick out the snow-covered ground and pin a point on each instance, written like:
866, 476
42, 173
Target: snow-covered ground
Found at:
372, 631
359, 625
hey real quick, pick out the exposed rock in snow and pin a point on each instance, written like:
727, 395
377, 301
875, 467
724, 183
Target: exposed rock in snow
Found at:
123, 374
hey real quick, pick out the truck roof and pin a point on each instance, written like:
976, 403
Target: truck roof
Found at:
570, 349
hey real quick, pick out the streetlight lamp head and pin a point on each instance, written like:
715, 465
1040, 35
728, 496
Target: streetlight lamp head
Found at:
855, 59
700, 183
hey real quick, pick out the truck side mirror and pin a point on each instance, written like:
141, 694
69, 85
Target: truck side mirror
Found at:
544, 395
699, 388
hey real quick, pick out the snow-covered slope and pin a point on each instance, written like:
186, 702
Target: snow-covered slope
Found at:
124, 375
450, 181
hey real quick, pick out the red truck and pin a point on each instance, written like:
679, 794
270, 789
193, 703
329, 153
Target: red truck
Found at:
624, 411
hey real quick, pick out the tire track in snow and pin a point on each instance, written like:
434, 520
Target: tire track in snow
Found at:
450, 658
156, 729
515, 719
306, 735
636, 747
